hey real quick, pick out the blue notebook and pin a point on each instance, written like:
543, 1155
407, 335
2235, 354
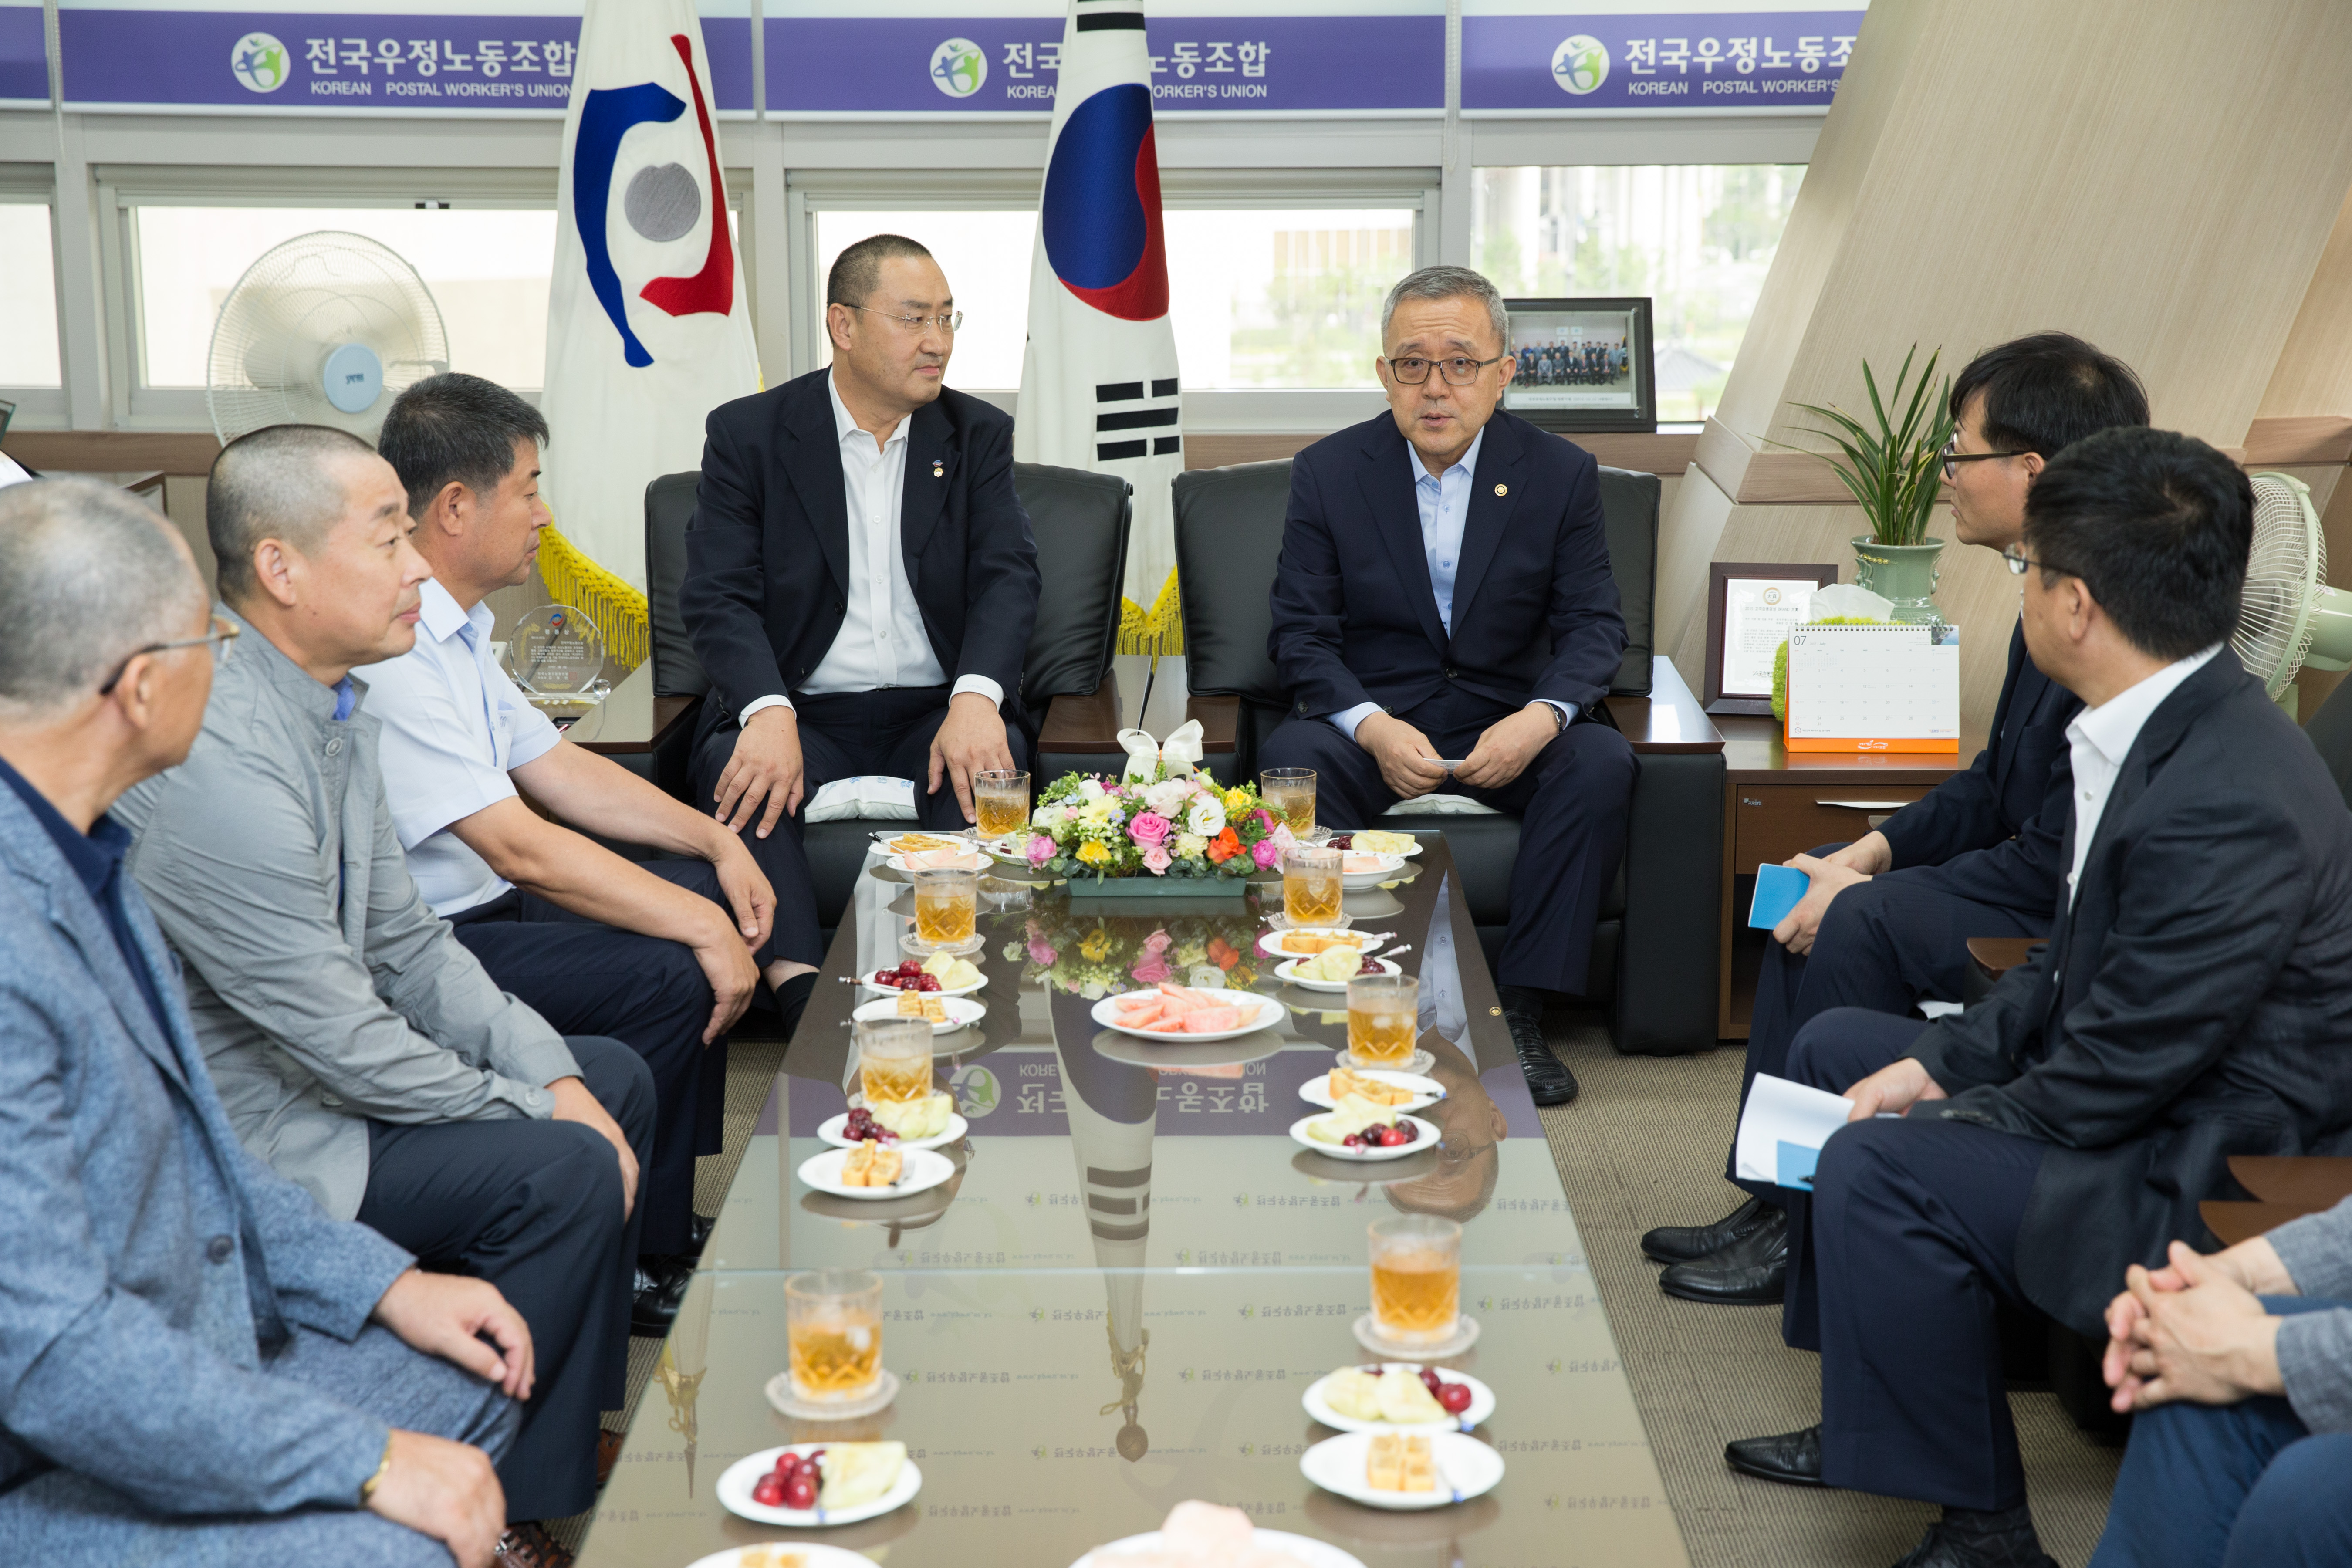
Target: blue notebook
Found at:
1778, 891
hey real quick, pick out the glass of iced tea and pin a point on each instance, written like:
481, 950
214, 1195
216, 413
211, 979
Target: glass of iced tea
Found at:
832, 1320
946, 903
894, 1060
1383, 1019
1001, 798
1310, 887
1416, 1277
1291, 791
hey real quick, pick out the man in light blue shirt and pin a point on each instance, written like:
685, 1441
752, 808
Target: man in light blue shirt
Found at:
664, 953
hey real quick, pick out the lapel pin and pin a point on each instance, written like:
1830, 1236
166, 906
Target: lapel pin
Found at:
1502, 489
939, 468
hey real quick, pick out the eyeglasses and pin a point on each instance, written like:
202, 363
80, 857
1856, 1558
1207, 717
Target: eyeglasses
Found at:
2017, 562
1952, 460
221, 638
946, 320
1459, 371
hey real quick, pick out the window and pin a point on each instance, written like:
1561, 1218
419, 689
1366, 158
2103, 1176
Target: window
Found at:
487, 269
1697, 238
29, 283
1258, 297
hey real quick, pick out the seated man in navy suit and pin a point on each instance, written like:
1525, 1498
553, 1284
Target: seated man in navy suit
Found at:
1887, 918
1443, 596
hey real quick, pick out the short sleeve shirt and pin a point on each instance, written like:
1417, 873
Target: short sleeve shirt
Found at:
454, 723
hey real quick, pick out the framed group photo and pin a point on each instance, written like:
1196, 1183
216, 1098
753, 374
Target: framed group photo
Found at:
1583, 364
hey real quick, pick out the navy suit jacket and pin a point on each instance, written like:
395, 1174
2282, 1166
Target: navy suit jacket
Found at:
1993, 834
152, 1260
1534, 606
767, 560
2194, 1003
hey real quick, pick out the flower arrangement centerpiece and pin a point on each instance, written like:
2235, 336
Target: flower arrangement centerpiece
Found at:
1082, 954
1155, 826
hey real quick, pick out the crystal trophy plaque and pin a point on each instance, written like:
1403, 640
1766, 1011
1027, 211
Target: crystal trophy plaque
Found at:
557, 655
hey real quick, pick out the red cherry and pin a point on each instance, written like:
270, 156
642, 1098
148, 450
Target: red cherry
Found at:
927, 982
768, 1491
1429, 1379
1341, 841
1455, 1397
910, 966
801, 1490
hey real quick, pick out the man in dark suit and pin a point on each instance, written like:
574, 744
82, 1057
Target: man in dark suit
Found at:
1443, 592
856, 547
1887, 918
2195, 1002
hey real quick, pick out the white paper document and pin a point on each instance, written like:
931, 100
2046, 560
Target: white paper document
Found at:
1782, 1129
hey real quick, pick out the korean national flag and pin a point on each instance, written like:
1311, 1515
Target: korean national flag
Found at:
1098, 379
648, 325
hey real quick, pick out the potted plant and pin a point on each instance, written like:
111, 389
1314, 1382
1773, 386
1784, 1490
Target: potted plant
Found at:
1892, 466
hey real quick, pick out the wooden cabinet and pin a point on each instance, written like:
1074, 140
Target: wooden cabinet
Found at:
1771, 822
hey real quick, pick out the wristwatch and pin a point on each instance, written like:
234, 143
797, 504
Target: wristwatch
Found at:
382, 1466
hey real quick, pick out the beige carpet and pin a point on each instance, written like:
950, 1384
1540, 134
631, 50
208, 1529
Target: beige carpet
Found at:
1644, 1146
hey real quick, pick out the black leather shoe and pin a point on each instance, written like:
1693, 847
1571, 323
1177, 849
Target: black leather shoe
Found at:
1965, 1539
1751, 1272
659, 1292
699, 1237
1689, 1243
1792, 1458
1549, 1080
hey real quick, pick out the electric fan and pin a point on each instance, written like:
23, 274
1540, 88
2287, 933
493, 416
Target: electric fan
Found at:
2288, 616
325, 329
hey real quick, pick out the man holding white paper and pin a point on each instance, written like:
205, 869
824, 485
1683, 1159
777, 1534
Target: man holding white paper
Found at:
1979, 856
2195, 1002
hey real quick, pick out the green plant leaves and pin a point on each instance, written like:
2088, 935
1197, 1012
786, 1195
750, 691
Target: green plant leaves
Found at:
1891, 466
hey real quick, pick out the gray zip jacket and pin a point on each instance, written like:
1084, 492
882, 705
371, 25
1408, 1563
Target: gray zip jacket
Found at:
2315, 1349
324, 992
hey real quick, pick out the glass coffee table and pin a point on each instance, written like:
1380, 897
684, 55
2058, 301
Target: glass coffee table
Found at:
1119, 1298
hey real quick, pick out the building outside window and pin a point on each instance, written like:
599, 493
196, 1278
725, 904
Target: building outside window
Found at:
28, 287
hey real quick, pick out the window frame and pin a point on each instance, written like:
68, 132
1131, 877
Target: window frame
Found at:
26, 186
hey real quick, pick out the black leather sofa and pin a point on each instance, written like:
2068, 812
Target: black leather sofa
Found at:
1654, 950
1069, 695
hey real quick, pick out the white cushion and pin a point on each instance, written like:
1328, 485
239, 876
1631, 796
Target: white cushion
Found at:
1442, 805
873, 798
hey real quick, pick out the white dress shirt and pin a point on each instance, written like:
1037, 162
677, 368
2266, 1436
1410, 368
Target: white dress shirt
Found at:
453, 722
2100, 738
1445, 502
882, 642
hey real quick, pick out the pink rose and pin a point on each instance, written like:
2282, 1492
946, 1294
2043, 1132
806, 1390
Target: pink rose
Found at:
1264, 823
1156, 860
1282, 838
1266, 853
1150, 828
1041, 954
1157, 942
1041, 850
1152, 971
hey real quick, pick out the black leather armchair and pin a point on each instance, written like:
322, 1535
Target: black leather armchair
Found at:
1081, 522
1654, 950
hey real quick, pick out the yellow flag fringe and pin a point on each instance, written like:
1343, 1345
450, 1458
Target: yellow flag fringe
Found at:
619, 610
1159, 629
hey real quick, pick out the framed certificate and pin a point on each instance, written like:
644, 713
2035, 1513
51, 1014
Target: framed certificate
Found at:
1751, 606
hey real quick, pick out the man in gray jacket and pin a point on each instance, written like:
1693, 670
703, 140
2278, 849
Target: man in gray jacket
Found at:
2239, 1365
196, 1365
355, 1045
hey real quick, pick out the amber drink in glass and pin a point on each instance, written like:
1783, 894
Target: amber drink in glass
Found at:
1383, 1019
1290, 792
1001, 798
1311, 886
1416, 1277
945, 905
833, 1320
894, 1060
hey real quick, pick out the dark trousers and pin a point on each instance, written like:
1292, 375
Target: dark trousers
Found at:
2231, 1486
846, 735
1886, 945
1572, 802
534, 1207
1900, 1258
587, 978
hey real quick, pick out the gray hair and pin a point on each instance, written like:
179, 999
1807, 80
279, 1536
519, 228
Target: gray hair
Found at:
1450, 283
88, 576
277, 483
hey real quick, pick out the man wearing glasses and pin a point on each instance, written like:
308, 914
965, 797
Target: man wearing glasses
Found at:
860, 578
1444, 618
1887, 918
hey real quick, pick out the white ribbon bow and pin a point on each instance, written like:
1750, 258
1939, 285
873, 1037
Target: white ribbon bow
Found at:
1180, 751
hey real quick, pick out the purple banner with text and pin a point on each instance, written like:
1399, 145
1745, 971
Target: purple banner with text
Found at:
1745, 62
24, 60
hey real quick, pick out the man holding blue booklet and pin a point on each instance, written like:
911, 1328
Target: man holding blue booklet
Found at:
1885, 921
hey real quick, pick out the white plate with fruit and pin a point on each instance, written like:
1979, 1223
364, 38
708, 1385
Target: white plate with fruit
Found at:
1359, 871
1373, 841
851, 1481
1400, 1470
946, 1013
1331, 971
1179, 1015
1403, 1090
941, 968
964, 859
1205, 1533
1370, 1132
1305, 941
876, 1171
775, 1554
1399, 1397
933, 1122
922, 840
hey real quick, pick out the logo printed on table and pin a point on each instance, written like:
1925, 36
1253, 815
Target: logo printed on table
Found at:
258, 62
1580, 65
959, 67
